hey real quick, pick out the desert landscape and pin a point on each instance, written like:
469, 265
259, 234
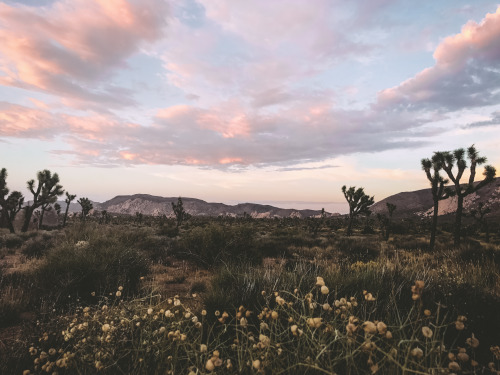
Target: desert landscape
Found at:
186, 286
269, 187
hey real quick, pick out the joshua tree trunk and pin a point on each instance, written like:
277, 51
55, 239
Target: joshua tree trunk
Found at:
11, 226
349, 226
458, 220
28, 212
41, 218
434, 224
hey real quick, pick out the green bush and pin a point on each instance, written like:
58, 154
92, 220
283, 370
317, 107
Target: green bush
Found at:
355, 250
216, 244
100, 265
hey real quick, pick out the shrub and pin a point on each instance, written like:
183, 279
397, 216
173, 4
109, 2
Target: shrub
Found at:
12, 241
216, 244
100, 265
37, 246
354, 250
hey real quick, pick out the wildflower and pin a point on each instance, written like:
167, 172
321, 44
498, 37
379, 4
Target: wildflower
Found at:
274, 315
417, 290
168, 314
194, 319
118, 293
388, 335
369, 327
463, 357
314, 322
203, 312
98, 365
369, 297
106, 327
150, 311
320, 281
209, 366
187, 315
327, 307
454, 366
280, 301
26, 372
325, 290
256, 364
52, 351
427, 332
417, 353
381, 328
459, 324
264, 341
243, 322
263, 293
217, 313
427, 312
472, 341
120, 288
203, 348
229, 365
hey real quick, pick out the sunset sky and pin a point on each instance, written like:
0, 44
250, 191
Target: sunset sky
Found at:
266, 101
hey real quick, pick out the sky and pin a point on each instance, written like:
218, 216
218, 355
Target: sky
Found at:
279, 102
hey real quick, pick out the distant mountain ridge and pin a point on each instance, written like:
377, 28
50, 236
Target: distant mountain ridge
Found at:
156, 206
419, 202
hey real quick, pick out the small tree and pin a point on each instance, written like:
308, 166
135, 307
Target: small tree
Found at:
449, 161
86, 205
47, 191
179, 212
386, 221
11, 204
479, 215
68, 200
438, 190
359, 204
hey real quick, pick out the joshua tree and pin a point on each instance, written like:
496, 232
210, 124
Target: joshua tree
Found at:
359, 203
386, 221
479, 215
68, 200
47, 191
11, 205
180, 213
438, 190
86, 206
448, 160
44, 207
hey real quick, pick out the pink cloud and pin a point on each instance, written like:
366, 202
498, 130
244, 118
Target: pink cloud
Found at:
464, 73
72, 47
19, 121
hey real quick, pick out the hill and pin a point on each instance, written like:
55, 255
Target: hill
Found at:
419, 202
157, 206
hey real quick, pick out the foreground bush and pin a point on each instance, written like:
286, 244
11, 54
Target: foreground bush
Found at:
291, 333
79, 267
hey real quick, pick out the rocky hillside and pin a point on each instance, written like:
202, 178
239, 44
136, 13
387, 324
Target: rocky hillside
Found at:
156, 206
419, 202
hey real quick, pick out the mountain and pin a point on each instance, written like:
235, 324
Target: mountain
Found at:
157, 206
419, 202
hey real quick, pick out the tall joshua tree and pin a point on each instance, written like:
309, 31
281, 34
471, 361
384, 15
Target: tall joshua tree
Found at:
11, 204
86, 205
46, 191
450, 160
438, 190
359, 203
68, 200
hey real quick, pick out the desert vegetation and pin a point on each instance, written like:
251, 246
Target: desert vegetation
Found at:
137, 294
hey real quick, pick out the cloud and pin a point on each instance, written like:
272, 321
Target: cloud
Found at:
495, 120
72, 47
465, 73
290, 169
